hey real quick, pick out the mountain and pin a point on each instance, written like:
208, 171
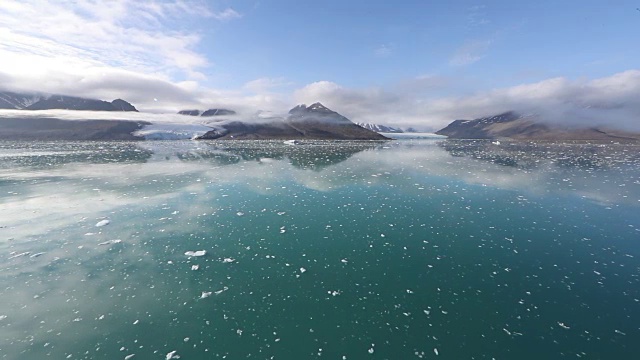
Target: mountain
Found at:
207, 113
189, 112
218, 112
312, 122
380, 128
35, 101
12, 100
512, 125
122, 105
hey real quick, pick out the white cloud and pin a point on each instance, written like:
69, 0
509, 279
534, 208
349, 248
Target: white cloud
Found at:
610, 101
126, 48
383, 51
125, 34
227, 14
470, 52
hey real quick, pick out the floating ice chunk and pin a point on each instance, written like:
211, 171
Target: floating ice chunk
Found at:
109, 242
435, 351
240, 213
334, 292
562, 325
221, 290
205, 294
129, 356
195, 267
303, 270
370, 350
19, 255
36, 255
172, 355
104, 222
292, 142
196, 253
344, 261
228, 260
2, 317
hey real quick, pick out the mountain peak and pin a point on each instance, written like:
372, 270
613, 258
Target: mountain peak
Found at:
316, 107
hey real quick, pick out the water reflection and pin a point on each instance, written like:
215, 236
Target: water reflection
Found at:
404, 238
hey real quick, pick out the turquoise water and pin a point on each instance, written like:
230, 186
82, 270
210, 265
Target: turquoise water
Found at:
406, 249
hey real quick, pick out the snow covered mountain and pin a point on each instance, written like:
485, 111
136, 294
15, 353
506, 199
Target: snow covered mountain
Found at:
380, 128
19, 101
36, 101
302, 122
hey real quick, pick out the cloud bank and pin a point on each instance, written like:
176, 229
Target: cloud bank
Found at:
609, 101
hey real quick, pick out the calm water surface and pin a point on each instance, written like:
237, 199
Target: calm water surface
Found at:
407, 249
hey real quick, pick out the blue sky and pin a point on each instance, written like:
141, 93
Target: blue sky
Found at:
407, 62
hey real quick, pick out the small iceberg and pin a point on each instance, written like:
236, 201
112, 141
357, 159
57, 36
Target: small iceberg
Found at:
102, 223
196, 253
172, 355
292, 142
109, 242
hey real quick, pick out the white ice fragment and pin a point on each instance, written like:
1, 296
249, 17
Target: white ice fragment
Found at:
228, 260
303, 270
102, 223
435, 351
196, 253
172, 355
2, 317
19, 255
129, 356
109, 242
36, 255
221, 290
562, 325
344, 261
205, 294
195, 267
370, 350
240, 213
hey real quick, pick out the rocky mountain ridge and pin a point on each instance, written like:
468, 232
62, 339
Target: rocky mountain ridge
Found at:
34, 101
515, 126
303, 122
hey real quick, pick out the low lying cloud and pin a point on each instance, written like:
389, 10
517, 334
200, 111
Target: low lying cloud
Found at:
610, 101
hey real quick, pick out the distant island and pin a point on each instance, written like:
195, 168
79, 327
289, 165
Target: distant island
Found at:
514, 126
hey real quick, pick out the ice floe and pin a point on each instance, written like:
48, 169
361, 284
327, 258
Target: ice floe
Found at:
104, 222
196, 253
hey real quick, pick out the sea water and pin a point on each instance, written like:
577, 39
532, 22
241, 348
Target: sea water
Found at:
425, 249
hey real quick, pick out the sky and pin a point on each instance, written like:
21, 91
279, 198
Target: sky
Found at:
405, 63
